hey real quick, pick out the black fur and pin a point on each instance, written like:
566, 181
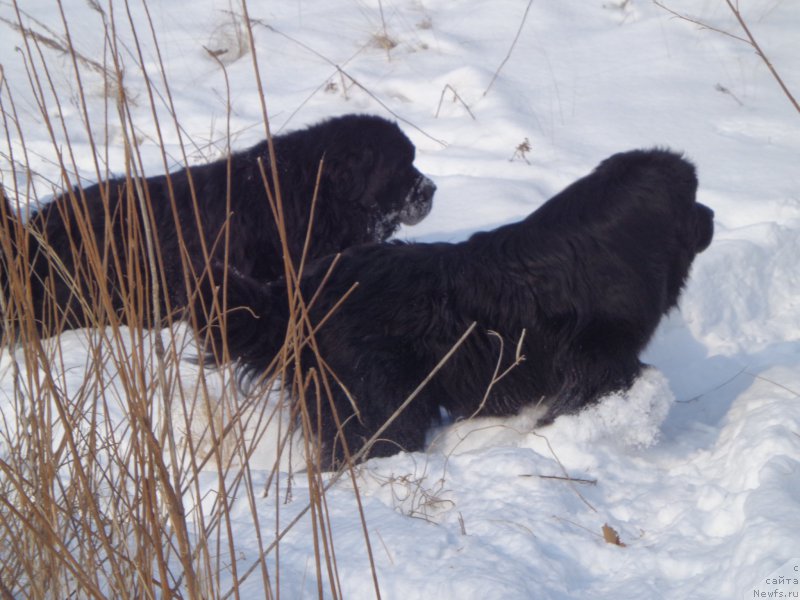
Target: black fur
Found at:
587, 277
368, 187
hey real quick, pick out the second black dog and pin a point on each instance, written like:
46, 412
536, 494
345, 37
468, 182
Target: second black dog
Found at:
587, 278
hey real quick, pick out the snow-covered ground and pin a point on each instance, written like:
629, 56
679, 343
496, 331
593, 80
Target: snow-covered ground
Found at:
698, 469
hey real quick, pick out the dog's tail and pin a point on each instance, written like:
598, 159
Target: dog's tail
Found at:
241, 319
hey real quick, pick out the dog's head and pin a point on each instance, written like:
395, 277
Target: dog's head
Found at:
663, 184
370, 164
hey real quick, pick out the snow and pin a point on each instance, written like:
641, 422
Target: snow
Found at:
697, 467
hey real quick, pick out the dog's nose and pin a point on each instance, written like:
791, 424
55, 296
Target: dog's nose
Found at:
704, 227
427, 188
419, 201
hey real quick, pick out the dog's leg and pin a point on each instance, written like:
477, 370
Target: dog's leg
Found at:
599, 361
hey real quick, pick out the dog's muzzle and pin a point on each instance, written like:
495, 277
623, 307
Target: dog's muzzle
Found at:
704, 227
419, 201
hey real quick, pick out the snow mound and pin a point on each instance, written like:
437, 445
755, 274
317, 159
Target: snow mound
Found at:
629, 418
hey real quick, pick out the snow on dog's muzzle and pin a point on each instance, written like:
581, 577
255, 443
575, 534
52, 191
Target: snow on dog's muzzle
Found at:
418, 202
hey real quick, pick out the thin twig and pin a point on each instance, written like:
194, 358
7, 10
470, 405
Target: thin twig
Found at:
571, 479
511, 49
699, 23
763, 56
355, 82
750, 40
446, 87
567, 477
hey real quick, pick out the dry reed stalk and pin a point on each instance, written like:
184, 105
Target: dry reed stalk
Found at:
749, 39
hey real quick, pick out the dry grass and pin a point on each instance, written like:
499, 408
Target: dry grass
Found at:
120, 458
106, 449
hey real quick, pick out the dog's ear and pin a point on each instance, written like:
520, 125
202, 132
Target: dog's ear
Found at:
349, 172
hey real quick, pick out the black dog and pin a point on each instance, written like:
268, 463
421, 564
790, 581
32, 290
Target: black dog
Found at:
586, 278
369, 186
